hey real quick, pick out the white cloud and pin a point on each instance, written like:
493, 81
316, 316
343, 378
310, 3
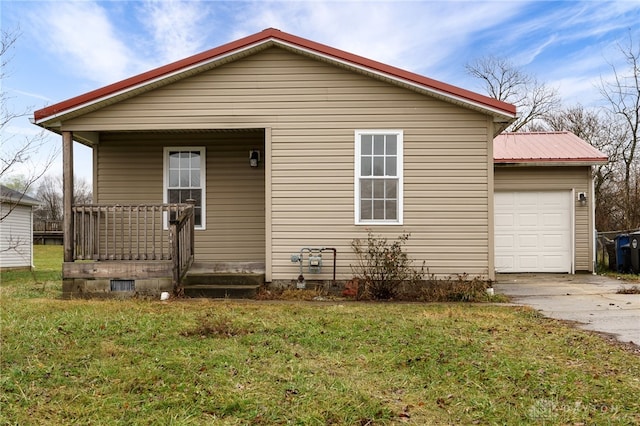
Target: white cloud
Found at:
572, 90
176, 27
578, 71
29, 94
83, 39
418, 36
527, 56
597, 19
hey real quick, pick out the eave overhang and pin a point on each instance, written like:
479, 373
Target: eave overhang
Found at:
550, 162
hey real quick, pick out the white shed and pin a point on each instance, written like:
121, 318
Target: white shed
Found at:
16, 229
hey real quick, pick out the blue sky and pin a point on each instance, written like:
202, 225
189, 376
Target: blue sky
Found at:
67, 48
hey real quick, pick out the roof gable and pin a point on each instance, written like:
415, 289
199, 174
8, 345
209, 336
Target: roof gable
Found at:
96, 99
544, 148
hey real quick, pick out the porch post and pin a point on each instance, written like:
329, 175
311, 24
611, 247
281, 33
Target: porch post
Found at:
67, 197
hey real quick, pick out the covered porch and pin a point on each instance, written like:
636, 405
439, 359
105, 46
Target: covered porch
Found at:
119, 247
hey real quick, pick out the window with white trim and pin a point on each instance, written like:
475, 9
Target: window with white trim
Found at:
378, 177
184, 179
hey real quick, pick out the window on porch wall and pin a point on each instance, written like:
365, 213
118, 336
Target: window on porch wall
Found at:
184, 179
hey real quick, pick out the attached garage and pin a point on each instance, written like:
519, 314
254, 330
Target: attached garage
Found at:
543, 202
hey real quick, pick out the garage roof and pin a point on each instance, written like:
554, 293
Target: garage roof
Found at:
544, 148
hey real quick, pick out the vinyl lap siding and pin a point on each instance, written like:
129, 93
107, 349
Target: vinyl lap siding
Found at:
16, 236
235, 191
313, 109
555, 179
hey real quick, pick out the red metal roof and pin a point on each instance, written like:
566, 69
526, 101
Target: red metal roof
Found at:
544, 147
283, 38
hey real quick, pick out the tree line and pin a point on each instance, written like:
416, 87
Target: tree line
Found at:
613, 129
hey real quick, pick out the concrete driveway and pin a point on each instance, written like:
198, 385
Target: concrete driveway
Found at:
590, 300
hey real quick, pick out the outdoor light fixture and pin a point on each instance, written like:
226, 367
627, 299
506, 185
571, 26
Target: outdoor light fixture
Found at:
582, 198
254, 157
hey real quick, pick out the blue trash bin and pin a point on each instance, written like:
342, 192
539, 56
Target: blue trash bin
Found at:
623, 253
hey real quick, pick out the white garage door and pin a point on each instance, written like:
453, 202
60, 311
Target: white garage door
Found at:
533, 231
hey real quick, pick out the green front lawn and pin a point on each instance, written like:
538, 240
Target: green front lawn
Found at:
246, 362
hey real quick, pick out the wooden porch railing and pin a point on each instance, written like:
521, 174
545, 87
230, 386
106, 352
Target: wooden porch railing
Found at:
181, 237
135, 232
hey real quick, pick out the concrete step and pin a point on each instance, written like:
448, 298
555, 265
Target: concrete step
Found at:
223, 278
221, 291
234, 280
227, 267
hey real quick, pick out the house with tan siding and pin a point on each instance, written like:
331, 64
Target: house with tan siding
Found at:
238, 158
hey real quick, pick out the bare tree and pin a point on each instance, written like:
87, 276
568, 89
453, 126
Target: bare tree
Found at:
598, 128
17, 156
49, 193
506, 82
601, 130
622, 94
19, 152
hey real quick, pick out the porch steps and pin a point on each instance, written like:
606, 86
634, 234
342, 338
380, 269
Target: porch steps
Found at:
228, 280
221, 291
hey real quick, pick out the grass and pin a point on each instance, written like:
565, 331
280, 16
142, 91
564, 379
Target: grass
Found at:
42, 281
196, 362
630, 278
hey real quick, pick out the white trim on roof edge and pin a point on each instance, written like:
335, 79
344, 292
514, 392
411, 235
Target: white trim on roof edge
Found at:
150, 82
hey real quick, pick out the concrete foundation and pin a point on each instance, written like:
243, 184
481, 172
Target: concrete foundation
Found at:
101, 288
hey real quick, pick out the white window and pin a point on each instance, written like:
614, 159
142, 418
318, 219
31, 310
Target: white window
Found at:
184, 179
378, 177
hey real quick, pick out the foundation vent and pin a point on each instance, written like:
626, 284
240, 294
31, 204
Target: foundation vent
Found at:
123, 285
